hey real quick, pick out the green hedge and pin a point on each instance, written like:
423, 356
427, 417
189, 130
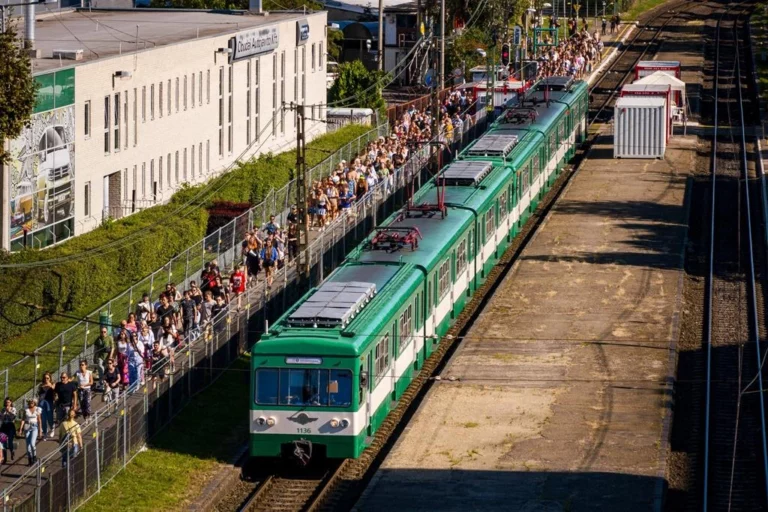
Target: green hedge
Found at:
78, 288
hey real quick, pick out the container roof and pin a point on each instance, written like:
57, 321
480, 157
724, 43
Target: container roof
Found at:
640, 101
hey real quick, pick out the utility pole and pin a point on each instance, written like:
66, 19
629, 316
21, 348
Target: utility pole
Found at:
381, 35
302, 260
436, 90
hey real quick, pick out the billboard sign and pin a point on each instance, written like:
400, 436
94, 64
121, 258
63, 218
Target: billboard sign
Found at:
254, 42
42, 167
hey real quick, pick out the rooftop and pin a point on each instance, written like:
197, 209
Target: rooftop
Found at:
107, 33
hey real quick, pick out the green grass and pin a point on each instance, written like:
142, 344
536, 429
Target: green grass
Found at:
172, 471
759, 23
79, 288
639, 7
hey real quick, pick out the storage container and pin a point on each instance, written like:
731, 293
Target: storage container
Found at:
656, 90
640, 127
646, 67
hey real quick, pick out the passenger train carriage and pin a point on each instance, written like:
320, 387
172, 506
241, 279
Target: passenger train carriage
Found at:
333, 367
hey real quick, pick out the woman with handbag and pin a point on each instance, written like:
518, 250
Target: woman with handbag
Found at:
8, 427
31, 427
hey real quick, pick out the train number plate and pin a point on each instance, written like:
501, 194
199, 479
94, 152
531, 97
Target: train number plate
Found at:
303, 430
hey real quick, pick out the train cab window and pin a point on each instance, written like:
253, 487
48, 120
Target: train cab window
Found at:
266, 386
304, 387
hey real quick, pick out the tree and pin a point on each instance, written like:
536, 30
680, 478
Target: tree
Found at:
356, 81
18, 89
335, 38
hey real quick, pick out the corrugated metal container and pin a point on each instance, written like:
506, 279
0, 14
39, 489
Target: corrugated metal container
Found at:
640, 127
659, 90
646, 67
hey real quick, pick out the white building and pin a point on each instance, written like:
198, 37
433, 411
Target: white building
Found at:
135, 103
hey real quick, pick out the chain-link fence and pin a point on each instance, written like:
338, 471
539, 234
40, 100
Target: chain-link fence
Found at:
63, 352
119, 430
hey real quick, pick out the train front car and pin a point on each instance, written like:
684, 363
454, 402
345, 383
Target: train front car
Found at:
305, 378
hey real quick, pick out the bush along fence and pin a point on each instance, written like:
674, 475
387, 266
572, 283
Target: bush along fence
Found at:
118, 431
20, 379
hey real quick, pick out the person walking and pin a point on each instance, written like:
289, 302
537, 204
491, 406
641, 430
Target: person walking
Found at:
70, 438
84, 378
65, 393
31, 427
8, 427
103, 347
45, 402
603, 24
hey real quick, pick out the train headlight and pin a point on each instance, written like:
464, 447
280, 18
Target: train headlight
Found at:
344, 423
335, 423
261, 421
271, 421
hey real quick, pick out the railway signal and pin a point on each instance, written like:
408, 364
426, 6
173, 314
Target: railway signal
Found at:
505, 54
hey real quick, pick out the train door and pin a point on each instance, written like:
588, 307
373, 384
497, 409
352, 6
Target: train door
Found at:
365, 391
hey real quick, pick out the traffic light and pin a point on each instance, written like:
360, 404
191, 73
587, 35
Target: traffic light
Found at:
505, 54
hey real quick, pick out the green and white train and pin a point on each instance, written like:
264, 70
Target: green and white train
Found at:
335, 364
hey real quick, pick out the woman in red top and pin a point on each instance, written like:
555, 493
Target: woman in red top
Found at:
237, 282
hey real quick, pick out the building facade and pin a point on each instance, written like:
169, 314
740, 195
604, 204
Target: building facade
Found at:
123, 130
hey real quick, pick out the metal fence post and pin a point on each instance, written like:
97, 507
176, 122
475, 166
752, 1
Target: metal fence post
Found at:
98, 459
69, 466
61, 351
6, 383
130, 301
218, 245
170, 270
186, 270
124, 414
37, 366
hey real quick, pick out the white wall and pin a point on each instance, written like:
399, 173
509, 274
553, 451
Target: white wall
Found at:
150, 139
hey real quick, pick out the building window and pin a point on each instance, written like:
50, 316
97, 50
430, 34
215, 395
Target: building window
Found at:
191, 160
313, 57
87, 199
282, 92
221, 111
230, 109
489, 224
135, 116
107, 127
152, 102
200, 88
185, 92
185, 164
194, 96
248, 104
208, 156
320, 57
257, 100
295, 82
160, 99
160, 171
200, 160
461, 257
176, 167
444, 279
177, 95
144, 104
208, 87
125, 117
87, 119
143, 180
381, 358
274, 95
169, 97
125, 184
152, 179
303, 73
117, 122
168, 170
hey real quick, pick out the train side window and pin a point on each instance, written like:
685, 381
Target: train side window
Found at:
461, 256
381, 358
488, 224
444, 281
418, 310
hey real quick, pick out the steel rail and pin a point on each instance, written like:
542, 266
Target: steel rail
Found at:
629, 47
751, 252
752, 284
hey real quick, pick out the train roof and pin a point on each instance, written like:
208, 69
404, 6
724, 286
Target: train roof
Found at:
393, 283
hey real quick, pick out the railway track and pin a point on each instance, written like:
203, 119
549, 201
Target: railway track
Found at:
735, 463
645, 42
340, 485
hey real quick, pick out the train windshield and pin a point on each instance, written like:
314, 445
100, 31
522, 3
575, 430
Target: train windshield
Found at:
304, 387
